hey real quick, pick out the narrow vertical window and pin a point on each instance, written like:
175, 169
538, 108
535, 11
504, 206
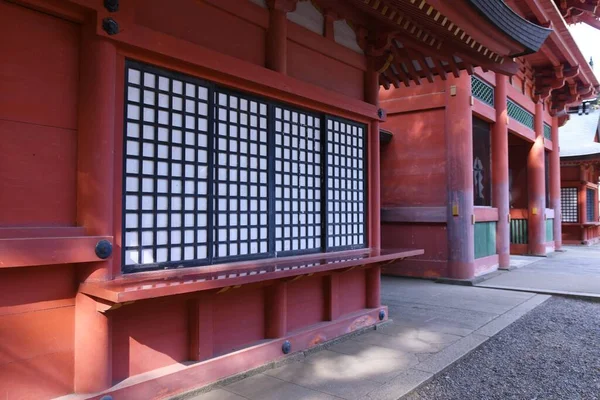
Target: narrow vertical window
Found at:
166, 162
482, 177
297, 181
345, 184
568, 201
240, 177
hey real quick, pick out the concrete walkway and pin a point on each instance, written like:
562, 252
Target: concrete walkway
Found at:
433, 326
574, 272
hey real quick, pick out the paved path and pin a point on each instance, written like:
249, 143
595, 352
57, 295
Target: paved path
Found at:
433, 326
551, 353
576, 271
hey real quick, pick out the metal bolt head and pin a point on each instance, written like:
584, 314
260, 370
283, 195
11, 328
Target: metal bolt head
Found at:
103, 249
286, 347
381, 315
110, 26
111, 5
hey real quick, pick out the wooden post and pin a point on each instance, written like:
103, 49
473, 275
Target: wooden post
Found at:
200, 325
373, 277
555, 186
95, 174
536, 188
372, 97
582, 201
500, 187
93, 346
276, 310
459, 170
333, 296
276, 49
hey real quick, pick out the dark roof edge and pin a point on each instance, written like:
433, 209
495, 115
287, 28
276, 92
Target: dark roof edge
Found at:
586, 157
526, 33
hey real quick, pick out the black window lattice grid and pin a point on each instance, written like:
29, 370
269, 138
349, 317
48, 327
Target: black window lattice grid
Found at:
519, 114
240, 168
346, 184
568, 201
165, 215
482, 91
590, 204
211, 179
297, 181
547, 131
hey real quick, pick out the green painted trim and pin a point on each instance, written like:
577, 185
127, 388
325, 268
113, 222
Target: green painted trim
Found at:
549, 230
485, 239
518, 231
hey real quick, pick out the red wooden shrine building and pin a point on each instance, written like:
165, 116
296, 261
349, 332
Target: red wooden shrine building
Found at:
579, 173
192, 188
472, 170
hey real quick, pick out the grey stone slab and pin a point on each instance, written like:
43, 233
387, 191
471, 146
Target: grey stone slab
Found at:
575, 271
264, 387
324, 379
504, 320
403, 343
377, 364
450, 354
400, 385
218, 394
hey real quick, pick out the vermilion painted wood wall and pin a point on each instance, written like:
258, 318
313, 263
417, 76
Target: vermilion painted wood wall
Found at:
38, 120
39, 76
413, 174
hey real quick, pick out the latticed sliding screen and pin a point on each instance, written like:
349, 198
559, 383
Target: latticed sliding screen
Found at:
345, 184
547, 131
166, 180
568, 200
297, 181
240, 176
590, 205
211, 175
482, 91
519, 114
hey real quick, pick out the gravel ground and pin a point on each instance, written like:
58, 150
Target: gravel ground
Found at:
553, 352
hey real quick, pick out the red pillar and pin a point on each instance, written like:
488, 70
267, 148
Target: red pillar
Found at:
500, 188
276, 49
555, 186
582, 201
372, 97
459, 171
536, 188
95, 172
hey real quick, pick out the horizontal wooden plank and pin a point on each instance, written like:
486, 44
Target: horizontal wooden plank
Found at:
41, 232
414, 103
414, 214
158, 284
27, 252
486, 214
519, 213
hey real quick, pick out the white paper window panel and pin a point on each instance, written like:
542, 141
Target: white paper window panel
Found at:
240, 190
172, 104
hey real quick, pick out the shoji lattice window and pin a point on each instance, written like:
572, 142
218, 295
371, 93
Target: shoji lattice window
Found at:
240, 176
346, 159
590, 205
166, 180
212, 175
568, 200
519, 114
297, 181
482, 90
